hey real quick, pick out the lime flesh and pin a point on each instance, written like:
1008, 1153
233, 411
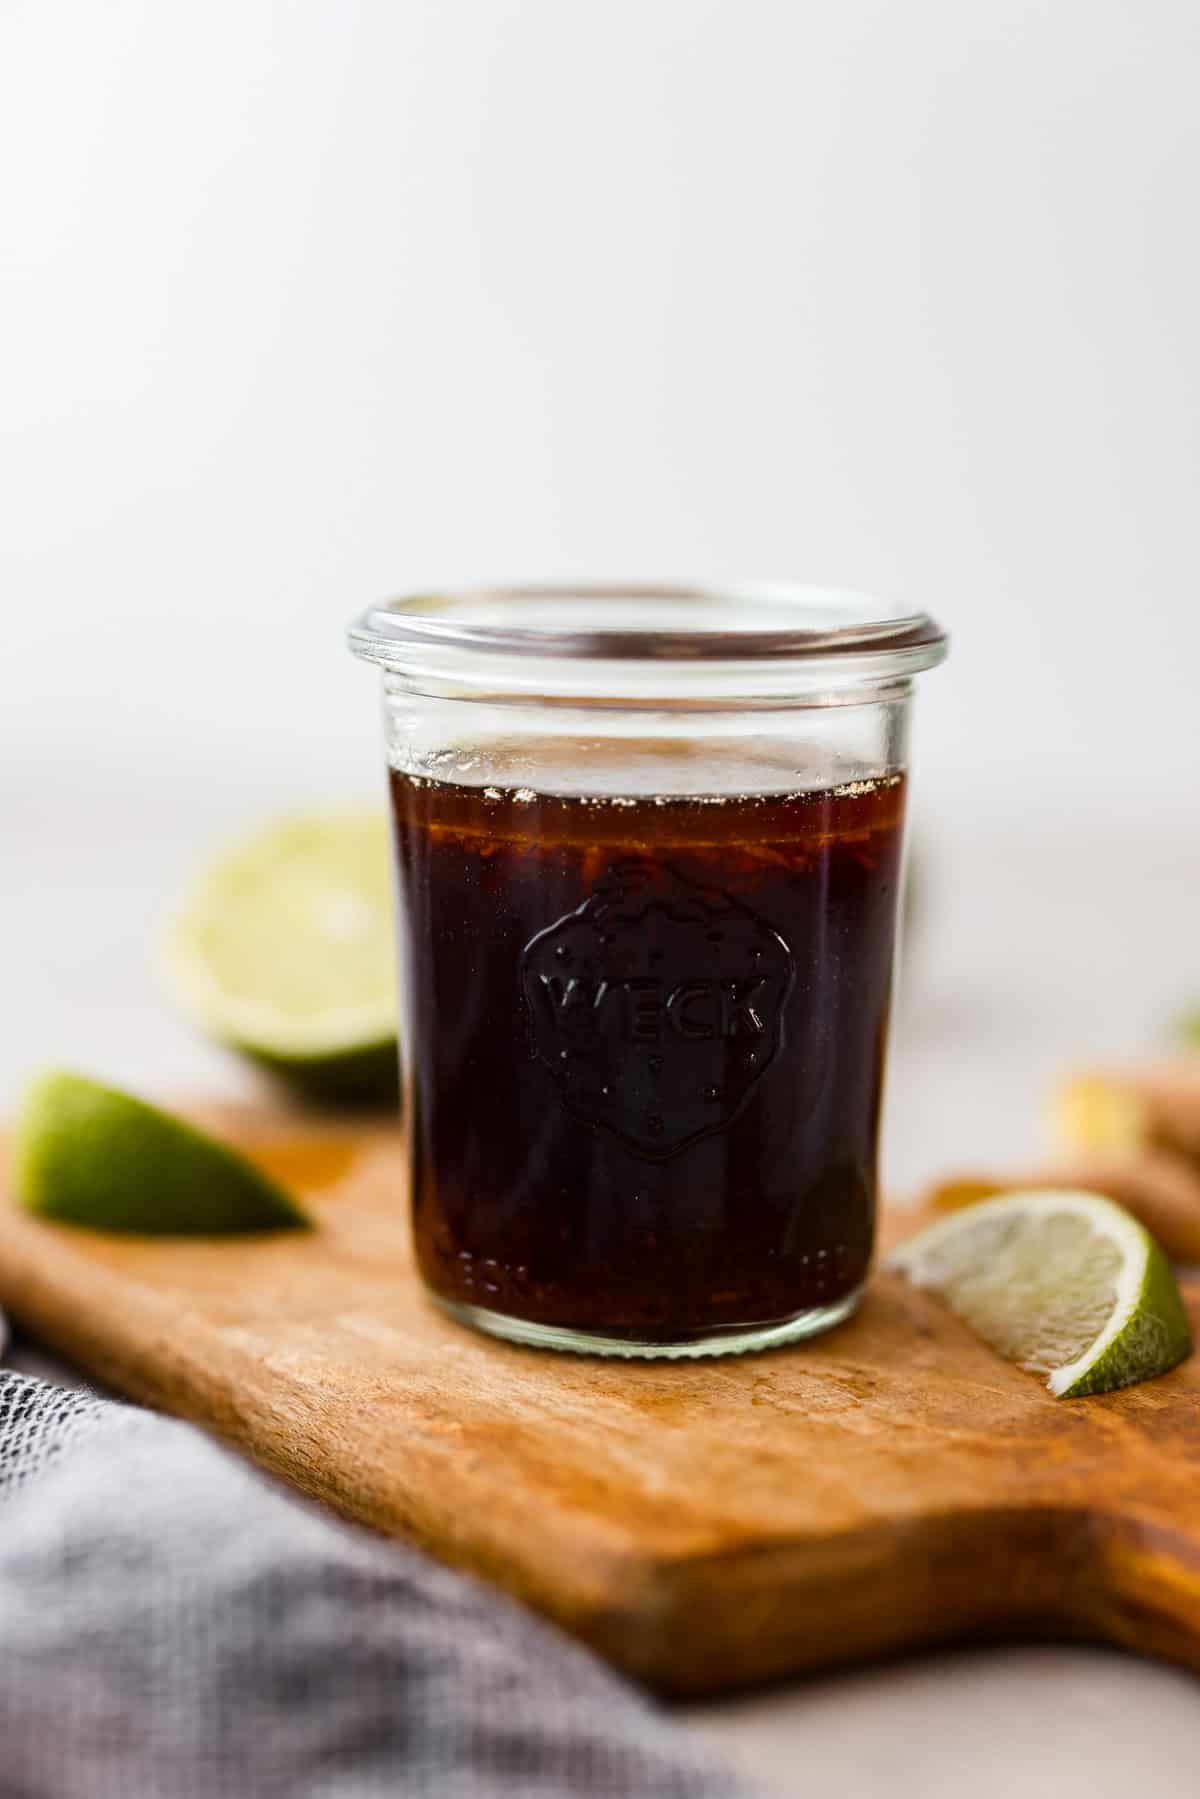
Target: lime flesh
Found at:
284, 950
91, 1155
1066, 1284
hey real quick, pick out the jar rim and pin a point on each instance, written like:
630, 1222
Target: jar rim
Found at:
673, 622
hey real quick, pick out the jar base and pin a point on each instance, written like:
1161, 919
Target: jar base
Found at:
729, 1339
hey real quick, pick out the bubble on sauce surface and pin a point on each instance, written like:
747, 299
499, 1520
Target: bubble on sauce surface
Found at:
626, 771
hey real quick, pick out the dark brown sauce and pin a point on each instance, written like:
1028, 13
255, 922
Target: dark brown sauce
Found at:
644, 1045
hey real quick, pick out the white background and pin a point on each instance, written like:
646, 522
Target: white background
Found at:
302, 304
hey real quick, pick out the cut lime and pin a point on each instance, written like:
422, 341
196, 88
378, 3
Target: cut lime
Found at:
284, 950
92, 1155
1067, 1284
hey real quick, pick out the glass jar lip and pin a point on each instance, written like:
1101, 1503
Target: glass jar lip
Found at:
672, 622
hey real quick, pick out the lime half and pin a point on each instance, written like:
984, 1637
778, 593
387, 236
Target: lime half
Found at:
92, 1155
284, 950
1066, 1284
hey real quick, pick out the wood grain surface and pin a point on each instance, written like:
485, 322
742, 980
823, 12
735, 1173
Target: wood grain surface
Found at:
704, 1525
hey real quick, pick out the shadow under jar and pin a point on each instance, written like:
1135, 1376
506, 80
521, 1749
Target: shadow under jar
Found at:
649, 850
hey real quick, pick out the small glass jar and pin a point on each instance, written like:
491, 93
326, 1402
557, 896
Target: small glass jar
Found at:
649, 851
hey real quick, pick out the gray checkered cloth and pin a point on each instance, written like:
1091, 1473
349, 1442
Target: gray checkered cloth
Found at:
175, 1626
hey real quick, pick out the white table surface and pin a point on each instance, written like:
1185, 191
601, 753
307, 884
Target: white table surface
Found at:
1049, 932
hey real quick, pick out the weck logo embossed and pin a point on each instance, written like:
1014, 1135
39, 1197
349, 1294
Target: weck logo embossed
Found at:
657, 1006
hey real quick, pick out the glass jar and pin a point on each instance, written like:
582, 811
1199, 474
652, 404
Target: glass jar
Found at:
649, 851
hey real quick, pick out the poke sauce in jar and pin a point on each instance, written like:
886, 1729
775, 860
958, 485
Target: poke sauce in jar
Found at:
649, 851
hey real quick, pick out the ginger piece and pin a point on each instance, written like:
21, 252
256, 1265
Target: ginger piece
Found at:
1122, 1110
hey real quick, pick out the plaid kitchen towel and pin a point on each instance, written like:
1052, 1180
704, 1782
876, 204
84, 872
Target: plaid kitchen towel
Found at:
175, 1626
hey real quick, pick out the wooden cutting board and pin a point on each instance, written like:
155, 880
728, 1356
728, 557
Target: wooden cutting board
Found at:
701, 1524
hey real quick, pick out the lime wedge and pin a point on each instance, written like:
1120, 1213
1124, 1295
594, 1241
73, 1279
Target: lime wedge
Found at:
1067, 1284
284, 950
92, 1155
